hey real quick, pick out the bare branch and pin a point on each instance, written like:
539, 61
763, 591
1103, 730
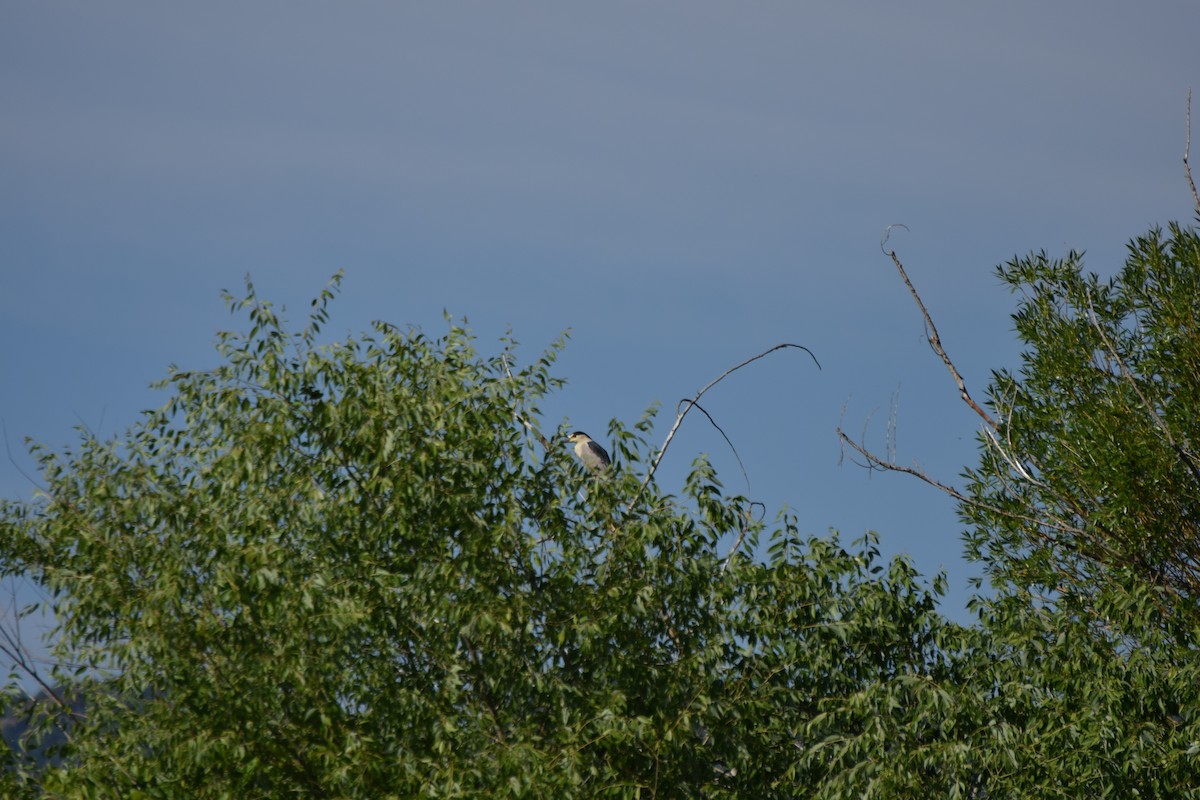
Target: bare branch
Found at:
13, 461
680, 414
931, 332
893, 427
874, 462
726, 438
1013, 462
13, 648
1187, 147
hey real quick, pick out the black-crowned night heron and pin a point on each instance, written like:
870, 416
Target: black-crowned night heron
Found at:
590, 454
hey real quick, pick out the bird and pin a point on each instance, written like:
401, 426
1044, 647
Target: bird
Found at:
591, 455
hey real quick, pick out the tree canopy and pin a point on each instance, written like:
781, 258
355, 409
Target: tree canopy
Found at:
367, 568
1092, 475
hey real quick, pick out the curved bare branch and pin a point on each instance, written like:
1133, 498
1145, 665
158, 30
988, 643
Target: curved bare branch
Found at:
689, 404
713, 422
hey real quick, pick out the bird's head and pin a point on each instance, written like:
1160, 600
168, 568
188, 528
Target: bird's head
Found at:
578, 436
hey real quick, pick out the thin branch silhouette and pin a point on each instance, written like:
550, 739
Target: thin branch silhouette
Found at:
688, 405
720, 431
11, 460
931, 332
1047, 521
1187, 147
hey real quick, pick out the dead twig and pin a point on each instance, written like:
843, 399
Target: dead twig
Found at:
888, 463
13, 461
1187, 147
874, 462
688, 405
13, 648
726, 438
931, 332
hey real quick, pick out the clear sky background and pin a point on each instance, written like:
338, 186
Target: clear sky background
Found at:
682, 185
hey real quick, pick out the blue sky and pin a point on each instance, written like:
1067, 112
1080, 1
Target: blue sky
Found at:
682, 185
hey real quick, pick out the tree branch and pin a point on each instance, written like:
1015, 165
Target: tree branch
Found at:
687, 406
874, 462
713, 422
931, 332
14, 649
1187, 168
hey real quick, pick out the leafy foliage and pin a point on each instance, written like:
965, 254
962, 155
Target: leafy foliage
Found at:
1094, 477
353, 570
362, 569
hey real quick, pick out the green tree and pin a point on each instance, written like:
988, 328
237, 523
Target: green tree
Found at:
361, 569
1034, 702
1085, 508
1082, 676
358, 569
1091, 476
